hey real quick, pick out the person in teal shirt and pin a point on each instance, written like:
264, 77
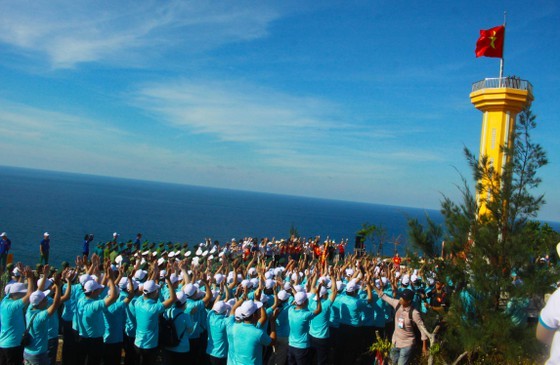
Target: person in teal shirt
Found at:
281, 307
114, 318
248, 339
300, 318
90, 316
12, 321
180, 354
147, 309
319, 333
37, 317
217, 346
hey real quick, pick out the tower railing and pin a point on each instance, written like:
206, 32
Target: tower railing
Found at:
511, 82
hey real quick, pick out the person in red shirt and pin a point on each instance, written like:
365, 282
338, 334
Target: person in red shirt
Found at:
397, 259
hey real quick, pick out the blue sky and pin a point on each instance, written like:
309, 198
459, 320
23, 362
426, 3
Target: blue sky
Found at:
353, 100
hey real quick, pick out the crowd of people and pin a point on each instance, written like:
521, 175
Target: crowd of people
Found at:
249, 301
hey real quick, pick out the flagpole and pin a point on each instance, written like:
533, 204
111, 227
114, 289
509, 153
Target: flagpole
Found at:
503, 49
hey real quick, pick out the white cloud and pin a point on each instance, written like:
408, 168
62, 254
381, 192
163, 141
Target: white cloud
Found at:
127, 32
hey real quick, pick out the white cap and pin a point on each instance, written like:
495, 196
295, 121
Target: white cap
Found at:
298, 288
48, 283
162, 273
115, 234
283, 295
3, 234
220, 307
269, 284
252, 271
46, 234
219, 278
245, 283
189, 290
140, 274
123, 283
84, 278
188, 253
92, 286
150, 286
160, 261
36, 298
17, 288
181, 297
322, 292
173, 278
352, 286
300, 297
248, 308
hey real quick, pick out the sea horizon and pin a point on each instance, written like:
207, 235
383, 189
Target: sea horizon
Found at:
69, 205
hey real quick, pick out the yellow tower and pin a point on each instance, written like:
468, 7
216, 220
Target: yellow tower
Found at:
499, 99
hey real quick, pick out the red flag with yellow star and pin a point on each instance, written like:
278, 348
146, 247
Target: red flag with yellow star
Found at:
491, 42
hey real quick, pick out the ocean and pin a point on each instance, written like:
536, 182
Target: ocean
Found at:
68, 206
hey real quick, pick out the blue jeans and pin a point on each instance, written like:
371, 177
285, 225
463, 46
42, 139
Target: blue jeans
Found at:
401, 356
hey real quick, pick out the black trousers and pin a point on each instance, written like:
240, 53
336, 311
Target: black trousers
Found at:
91, 350
216, 360
177, 358
69, 344
112, 353
320, 348
129, 350
348, 339
298, 356
11, 355
146, 356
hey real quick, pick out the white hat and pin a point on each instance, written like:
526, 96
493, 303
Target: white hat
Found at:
405, 280
145, 253
140, 274
252, 271
248, 308
199, 252
351, 286
17, 288
245, 283
269, 284
189, 290
300, 297
181, 297
171, 254
287, 286
123, 283
150, 286
160, 261
46, 234
37, 297
173, 278
219, 278
188, 253
298, 288
220, 307
162, 273
84, 278
48, 283
322, 292
115, 234
283, 295
92, 286
118, 259
205, 253
3, 234
254, 282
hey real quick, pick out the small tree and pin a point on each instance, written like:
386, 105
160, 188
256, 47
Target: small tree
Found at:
485, 249
425, 239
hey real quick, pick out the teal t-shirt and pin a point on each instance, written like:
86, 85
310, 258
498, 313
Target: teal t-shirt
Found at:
319, 326
184, 325
53, 321
217, 336
199, 317
147, 312
130, 322
282, 322
299, 320
247, 344
12, 323
230, 322
334, 318
38, 331
90, 317
351, 310
114, 319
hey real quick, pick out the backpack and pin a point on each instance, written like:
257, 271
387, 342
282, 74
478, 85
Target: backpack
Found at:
168, 336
